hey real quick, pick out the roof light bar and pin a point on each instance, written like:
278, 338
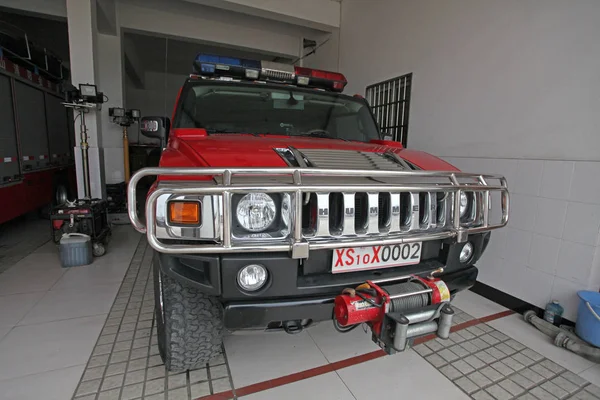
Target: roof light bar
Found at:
213, 65
277, 72
318, 78
208, 64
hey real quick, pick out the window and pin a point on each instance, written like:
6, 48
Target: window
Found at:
390, 102
222, 108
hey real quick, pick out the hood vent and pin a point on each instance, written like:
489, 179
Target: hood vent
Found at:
350, 159
344, 159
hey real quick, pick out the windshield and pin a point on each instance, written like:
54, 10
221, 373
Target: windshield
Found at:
262, 109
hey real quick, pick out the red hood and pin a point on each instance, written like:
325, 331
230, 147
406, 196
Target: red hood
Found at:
241, 150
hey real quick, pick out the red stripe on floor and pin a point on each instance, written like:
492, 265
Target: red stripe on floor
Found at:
331, 367
496, 316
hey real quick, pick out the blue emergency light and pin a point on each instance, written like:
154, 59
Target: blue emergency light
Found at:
211, 65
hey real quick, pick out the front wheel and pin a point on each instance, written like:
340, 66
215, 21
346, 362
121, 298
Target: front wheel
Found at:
189, 323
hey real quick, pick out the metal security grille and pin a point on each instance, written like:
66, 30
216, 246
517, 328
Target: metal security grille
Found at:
390, 101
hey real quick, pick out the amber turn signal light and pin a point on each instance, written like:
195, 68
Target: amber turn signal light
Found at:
184, 212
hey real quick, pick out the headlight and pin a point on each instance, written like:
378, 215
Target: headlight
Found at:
464, 203
252, 277
256, 212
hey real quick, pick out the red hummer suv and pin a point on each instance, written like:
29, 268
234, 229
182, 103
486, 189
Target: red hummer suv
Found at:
278, 204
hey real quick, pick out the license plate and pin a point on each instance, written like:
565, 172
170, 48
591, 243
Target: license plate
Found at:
373, 257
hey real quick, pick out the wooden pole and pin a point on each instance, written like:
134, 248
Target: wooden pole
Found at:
126, 154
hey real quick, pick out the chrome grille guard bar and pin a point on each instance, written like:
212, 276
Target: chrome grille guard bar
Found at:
299, 245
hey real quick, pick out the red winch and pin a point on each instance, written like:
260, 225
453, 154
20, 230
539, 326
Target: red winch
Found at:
397, 313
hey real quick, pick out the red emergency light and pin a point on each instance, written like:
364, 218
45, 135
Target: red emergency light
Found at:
318, 78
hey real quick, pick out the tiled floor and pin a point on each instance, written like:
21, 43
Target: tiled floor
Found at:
50, 317
487, 364
87, 333
20, 237
125, 363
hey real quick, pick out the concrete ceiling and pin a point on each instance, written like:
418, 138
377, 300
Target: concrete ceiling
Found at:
173, 56
322, 15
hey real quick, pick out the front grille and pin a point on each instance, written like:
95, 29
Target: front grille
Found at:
336, 216
364, 214
384, 209
361, 213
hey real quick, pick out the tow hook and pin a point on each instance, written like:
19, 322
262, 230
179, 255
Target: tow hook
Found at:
436, 272
292, 326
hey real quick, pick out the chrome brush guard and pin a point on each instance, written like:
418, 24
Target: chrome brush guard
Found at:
427, 222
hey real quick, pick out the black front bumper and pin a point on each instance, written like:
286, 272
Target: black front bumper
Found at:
303, 291
271, 314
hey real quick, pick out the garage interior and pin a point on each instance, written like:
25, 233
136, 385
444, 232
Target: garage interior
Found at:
496, 87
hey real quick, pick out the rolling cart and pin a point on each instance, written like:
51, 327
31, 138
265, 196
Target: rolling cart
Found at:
87, 216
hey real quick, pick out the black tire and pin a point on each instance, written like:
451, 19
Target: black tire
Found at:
189, 324
61, 194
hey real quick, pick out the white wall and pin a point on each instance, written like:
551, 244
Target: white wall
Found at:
326, 56
551, 246
524, 73
182, 19
509, 87
156, 99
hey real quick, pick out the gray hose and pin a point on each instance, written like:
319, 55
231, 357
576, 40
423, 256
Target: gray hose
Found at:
563, 338
577, 347
546, 327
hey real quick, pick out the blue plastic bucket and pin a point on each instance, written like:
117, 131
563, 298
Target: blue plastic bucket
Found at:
588, 317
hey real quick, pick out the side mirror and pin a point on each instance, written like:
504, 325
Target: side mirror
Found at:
155, 127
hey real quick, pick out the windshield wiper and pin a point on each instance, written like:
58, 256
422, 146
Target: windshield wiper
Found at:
321, 135
212, 131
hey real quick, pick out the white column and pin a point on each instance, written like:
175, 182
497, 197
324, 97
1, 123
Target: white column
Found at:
110, 81
81, 20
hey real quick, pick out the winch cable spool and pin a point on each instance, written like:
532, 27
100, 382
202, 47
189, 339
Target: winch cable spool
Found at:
406, 303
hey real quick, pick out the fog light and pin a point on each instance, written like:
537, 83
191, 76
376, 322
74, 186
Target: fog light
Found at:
466, 253
252, 277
